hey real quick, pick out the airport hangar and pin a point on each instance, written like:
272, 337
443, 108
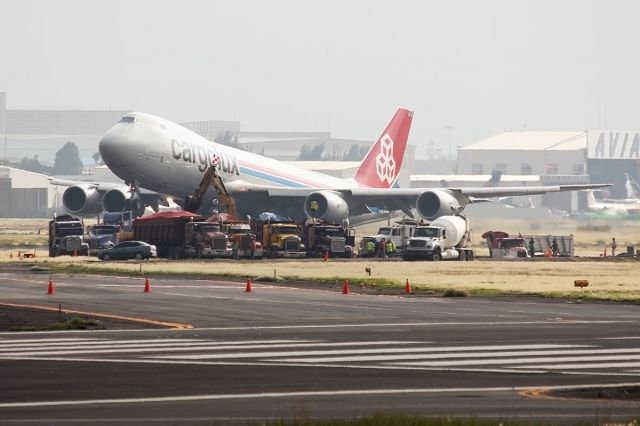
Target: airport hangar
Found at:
546, 158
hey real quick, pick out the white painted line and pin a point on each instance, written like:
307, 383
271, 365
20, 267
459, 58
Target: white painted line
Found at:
116, 350
4, 342
92, 342
359, 351
515, 361
578, 366
159, 343
621, 338
327, 393
458, 355
418, 324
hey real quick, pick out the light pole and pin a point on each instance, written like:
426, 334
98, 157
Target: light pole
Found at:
449, 128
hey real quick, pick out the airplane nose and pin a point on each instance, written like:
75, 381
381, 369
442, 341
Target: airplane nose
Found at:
113, 148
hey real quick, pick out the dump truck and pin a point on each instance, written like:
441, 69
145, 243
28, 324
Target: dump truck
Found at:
503, 246
322, 238
180, 234
66, 236
279, 238
446, 238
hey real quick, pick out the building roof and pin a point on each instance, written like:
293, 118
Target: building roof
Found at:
532, 141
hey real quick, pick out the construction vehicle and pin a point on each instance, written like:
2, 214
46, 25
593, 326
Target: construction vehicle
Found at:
66, 237
503, 246
179, 234
211, 177
108, 233
240, 235
446, 238
322, 238
280, 238
399, 233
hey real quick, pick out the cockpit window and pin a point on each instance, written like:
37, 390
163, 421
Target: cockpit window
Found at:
130, 119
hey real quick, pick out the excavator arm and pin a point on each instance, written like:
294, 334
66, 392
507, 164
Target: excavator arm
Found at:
211, 177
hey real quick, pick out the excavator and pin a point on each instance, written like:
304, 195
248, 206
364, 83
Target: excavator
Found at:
211, 177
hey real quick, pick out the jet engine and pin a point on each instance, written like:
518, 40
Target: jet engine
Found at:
82, 199
120, 199
331, 206
114, 200
433, 204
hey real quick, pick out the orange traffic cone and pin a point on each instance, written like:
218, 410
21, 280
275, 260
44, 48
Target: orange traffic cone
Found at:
345, 287
407, 287
147, 286
326, 256
248, 288
605, 251
52, 287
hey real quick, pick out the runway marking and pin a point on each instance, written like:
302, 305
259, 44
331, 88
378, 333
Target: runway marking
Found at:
512, 361
418, 324
116, 349
327, 393
421, 349
577, 366
457, 355
5, 342
157, 343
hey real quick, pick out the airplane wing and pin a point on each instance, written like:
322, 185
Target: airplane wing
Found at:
430, 203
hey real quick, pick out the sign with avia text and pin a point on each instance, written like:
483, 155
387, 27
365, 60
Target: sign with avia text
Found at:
613, 145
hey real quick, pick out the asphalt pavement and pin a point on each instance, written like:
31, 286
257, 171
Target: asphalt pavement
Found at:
219, 353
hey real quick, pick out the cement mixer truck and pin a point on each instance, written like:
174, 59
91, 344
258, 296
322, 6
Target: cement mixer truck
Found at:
446, 238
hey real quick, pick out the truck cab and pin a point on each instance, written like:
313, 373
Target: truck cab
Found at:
321, 237
66, 237
101, 237
399, 233
447, 237
280, 239
205, 239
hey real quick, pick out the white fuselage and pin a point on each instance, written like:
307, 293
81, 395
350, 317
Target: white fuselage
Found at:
162, 156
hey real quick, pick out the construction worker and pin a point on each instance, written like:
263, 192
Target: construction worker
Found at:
554, 247
314, 208
382, 248
371, 248
389, 248
614, 245
532, 247
234, 250
252, 247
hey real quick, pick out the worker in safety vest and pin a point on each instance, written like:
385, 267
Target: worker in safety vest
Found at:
314, 208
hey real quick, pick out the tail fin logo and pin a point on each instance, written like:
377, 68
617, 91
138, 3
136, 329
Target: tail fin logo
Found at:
385, 163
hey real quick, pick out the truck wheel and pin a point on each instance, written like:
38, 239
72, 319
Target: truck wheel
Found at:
106, 257
436, 256
139, 256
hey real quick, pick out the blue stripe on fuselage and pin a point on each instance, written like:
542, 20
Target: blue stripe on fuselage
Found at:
271, 178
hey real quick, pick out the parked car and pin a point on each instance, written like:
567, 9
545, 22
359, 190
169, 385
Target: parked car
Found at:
129, 250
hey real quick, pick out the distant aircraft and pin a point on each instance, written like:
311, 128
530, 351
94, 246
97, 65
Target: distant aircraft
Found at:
156, 156
613, 206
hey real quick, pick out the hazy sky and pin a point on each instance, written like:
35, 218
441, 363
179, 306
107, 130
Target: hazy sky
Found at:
340, 66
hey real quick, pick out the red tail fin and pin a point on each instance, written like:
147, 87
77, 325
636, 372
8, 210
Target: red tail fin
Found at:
381, 166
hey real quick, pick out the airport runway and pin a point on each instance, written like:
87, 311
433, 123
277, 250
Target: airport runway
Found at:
279, 352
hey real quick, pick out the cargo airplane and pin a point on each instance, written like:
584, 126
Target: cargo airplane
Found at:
157, 158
